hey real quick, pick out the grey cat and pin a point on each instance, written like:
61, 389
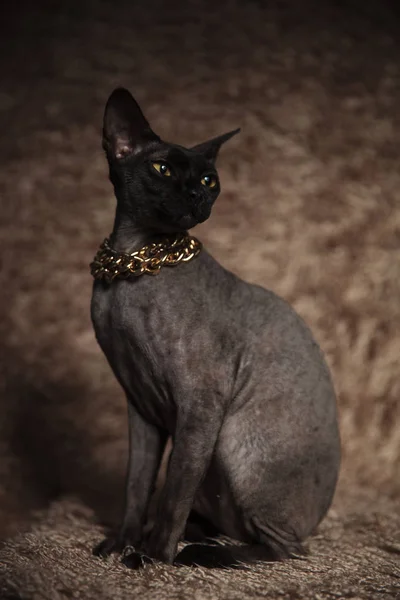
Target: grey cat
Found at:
227, 369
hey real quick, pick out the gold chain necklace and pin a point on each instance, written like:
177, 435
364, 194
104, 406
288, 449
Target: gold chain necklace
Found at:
109, 264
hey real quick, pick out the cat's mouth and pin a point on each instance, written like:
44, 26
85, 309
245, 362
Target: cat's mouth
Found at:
195, 217
187, 222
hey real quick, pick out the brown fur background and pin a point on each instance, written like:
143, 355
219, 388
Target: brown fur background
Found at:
310, 208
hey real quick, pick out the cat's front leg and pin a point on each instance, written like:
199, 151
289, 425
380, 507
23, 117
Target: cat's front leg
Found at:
194, 442
146, 445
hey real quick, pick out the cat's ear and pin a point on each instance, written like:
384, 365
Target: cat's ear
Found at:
211, 148
125, 129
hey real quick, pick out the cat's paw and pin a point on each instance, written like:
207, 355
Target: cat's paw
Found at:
135, 560
113, 545
209, 556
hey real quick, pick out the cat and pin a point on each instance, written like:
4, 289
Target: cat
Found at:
226, 368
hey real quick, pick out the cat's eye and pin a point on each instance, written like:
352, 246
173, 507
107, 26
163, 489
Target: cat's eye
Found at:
162, 168
209, 180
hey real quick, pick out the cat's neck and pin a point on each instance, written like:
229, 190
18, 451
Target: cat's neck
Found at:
128, 237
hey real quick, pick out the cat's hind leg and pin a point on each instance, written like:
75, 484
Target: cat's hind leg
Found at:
279, 540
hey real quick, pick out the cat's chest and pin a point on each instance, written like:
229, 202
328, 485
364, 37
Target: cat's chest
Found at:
152, 322
146, 342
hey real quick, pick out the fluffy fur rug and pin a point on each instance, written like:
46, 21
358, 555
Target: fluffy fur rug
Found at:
310, 208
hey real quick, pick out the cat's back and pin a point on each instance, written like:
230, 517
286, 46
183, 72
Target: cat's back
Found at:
198, 298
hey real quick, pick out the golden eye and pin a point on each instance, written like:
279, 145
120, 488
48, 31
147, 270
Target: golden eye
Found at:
209, 180
162, 168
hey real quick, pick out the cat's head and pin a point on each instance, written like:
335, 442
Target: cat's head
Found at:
161, 186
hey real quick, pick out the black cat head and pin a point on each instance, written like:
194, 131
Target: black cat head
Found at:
161, 186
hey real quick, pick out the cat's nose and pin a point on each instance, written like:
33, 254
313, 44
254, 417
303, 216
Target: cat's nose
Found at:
194, 194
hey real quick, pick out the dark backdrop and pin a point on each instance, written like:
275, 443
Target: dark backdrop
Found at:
310, 208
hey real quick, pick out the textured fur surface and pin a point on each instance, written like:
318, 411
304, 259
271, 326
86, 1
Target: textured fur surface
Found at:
355, 555
309, 208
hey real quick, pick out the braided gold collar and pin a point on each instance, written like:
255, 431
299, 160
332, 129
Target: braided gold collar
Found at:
109, 264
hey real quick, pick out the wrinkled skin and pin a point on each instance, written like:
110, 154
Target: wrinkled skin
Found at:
226, 368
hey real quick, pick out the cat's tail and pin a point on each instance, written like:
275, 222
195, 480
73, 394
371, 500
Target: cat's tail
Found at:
225, 555
273, 543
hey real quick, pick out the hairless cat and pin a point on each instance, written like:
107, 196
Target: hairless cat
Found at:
226, 369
